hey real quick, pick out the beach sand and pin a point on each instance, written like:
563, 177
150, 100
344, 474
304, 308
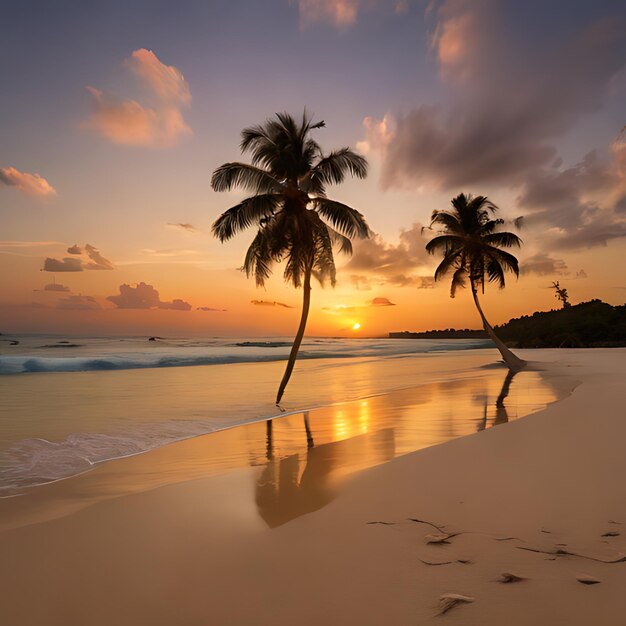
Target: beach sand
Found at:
163, 539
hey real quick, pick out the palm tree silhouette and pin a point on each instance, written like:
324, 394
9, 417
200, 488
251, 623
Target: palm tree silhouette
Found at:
288, 178
471, 246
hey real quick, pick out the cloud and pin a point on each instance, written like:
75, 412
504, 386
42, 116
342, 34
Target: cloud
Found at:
32, 184
29, 244
129, 122
170, 252
360, 282
338, 309
94, 261
30, 305
208, 308
55, 287
190, 228
579, 206
144, 296
344, 13
336, 12
581, 274
65, 265
425, 282
381, 302
175, 305
506, 108
389, 263
98, 262
543, 264
78, 303
270, 303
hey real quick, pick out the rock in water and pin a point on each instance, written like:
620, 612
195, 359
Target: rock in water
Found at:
449, 600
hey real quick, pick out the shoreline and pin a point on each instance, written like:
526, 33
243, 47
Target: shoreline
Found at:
183, 553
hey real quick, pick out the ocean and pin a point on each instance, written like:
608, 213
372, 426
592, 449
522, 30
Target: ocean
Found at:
70, 403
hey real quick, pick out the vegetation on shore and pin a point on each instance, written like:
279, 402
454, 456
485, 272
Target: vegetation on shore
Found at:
593, 324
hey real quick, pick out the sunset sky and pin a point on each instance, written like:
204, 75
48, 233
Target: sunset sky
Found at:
114, 115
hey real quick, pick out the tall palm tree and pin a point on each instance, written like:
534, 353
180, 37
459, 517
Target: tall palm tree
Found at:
295, 221
472, 248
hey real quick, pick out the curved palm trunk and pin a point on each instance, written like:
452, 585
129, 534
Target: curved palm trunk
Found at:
306, 303
514, 363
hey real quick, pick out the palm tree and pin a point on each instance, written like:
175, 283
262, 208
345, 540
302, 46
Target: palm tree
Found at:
472, 247
295, 221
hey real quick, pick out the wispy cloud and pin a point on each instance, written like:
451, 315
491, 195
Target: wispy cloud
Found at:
29, 244
184, 226
270, 303
378, 302
78, 303
128, 122
32, 184
97, 261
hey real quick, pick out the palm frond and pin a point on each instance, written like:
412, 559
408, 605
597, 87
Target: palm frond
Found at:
495, 272
332, 169
341, 241
507, 260
249, 212
444, 244
453, 259
503, 239
447, 220
345, 219
458, 281
250, 177
258, 261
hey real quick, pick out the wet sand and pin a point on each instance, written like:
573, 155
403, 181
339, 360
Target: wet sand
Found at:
285, 538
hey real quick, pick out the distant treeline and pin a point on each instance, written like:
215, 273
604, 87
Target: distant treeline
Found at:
593, 324
448, 333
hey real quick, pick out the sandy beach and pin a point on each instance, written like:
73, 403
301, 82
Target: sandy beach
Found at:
540, 498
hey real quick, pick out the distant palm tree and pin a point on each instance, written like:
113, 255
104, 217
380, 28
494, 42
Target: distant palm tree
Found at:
288, 178
471, 246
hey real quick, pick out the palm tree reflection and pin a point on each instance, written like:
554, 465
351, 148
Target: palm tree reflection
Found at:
502, 416
290, 487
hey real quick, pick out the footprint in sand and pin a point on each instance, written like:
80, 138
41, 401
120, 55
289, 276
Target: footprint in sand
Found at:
509, 577
450, 600
585, 579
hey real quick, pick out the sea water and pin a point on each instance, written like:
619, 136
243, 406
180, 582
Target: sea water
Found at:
70, 403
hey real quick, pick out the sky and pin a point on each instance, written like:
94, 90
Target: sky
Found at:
113, 116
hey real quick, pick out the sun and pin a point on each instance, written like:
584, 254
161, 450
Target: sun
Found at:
356, 326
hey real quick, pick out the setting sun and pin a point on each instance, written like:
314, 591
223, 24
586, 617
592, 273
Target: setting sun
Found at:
356, 326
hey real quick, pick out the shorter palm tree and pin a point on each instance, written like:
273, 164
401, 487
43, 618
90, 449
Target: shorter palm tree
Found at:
295, 221
472, 249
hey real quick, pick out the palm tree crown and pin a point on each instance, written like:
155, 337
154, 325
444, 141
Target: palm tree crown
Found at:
471, 244
296, 222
